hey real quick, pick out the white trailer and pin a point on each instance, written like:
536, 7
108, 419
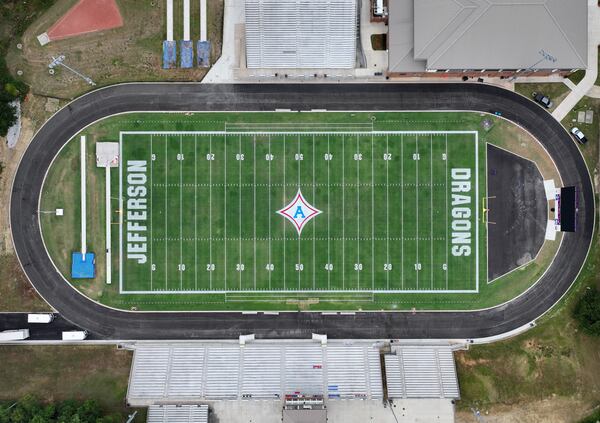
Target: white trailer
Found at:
74, 335
14, 335
40, 318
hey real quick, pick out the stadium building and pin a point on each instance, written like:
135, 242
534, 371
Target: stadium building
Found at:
301, 34
489, 37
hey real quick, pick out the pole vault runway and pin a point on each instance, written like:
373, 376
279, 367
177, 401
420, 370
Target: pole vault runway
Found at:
107, 323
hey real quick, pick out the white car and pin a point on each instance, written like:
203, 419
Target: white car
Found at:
579, 137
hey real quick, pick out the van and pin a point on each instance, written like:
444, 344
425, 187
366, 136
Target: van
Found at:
40, 318
74, 335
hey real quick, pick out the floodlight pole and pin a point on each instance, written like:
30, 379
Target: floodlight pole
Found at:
545, 56
59, 61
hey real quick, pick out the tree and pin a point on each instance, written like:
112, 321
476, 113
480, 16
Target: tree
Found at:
587, 312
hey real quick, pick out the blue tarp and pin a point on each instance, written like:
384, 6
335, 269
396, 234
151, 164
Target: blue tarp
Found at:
83, 269
203, 53
169, 54
187, 54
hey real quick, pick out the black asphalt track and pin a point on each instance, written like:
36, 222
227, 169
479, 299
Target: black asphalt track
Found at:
107, 323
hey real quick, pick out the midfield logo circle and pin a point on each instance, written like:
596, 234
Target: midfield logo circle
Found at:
299, 212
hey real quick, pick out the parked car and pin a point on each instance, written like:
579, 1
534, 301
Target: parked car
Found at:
578, 135
543, 100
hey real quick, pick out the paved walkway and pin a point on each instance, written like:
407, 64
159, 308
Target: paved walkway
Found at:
587, 83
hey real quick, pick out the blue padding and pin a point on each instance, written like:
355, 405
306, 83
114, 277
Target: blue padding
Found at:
187, 54
83, 269
203, 53
169, 54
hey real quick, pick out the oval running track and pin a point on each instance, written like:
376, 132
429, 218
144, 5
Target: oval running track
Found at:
107, 323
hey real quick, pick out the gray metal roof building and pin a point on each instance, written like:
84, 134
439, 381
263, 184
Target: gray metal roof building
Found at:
421, 372
487, 34
301, 33
177, 414
266, 370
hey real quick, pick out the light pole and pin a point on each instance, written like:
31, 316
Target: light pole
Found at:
59, 61
545, 56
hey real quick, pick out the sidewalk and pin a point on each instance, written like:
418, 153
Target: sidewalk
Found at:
587, 83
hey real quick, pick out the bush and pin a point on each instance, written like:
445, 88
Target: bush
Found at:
587, 312
29, 410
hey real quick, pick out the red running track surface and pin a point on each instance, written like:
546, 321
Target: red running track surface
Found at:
85, 17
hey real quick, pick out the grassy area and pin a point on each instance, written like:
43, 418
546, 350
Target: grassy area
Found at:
61, 246
56, 373
555, 365
591, 131
17, 292
576, 77
379, 41
557, 91
553, 359
130, 53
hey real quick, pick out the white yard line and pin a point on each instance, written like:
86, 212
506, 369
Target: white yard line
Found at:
343, 213
151, 205
225, 213
447, 158
166, 211
283, 220
181, 213
314, 199
240, 208
387, 208
328, 221
196, 213
417, 204
299, 255
372, 216
402, 208
358, 212
210, 242
254, 203
431, 204
269, 211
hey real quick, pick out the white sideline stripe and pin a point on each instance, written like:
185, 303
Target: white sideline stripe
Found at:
299, 134
83, 198
108, 227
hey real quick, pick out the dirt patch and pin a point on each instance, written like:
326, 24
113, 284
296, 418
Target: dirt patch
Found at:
515, 140
17, 292
132, 52
552, 410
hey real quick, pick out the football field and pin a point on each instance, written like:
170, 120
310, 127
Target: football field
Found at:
242, 212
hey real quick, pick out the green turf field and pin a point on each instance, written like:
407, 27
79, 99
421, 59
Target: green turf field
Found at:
203, 210
382, 182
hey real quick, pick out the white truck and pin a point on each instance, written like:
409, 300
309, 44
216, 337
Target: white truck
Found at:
74, 335
40, 318
14, 335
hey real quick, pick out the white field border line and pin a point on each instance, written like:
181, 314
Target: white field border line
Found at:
486, 192
358, 263
297, 133
120, 213
251, 112
476, 205
225, 291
